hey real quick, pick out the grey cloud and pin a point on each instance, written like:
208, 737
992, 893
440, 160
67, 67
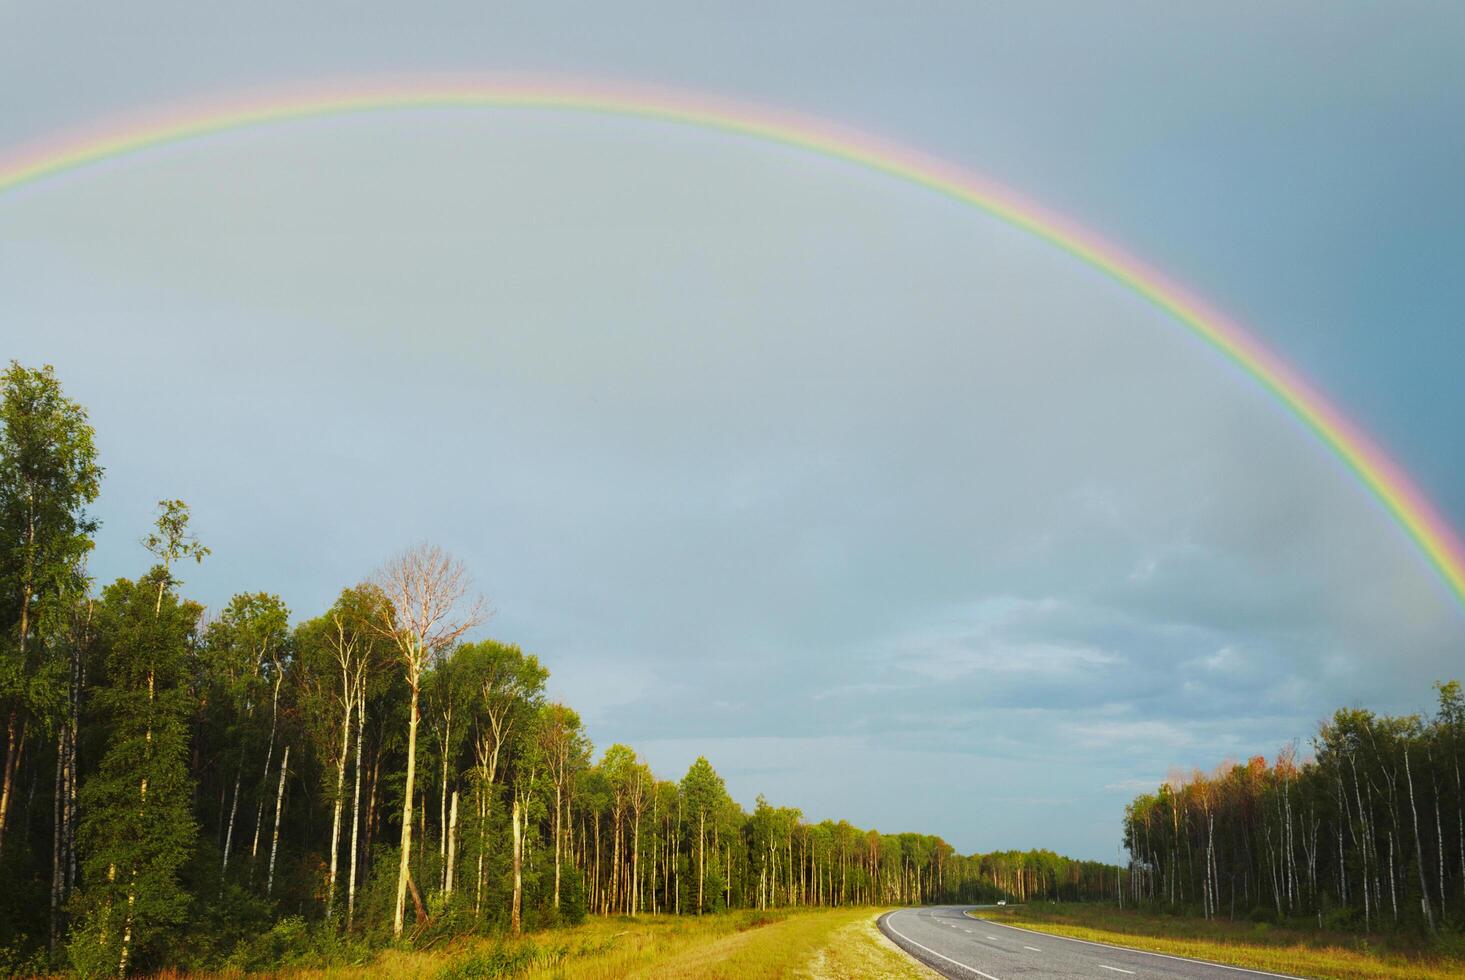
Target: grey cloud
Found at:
888, 509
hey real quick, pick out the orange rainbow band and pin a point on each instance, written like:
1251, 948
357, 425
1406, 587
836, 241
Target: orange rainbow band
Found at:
1393, 488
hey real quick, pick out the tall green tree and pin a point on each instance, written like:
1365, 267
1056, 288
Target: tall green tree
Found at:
48, 475
138, 828
338, 654
703, 791
566, 751
248, 654
508, 687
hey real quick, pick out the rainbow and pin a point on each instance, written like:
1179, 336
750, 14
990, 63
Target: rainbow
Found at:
122, 137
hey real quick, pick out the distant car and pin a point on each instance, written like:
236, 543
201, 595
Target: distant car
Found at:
1001, 901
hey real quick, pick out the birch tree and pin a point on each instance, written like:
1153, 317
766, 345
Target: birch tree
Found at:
48, 476
566, 751
338, 652
703, 790
248, 649
427, 609
507, 686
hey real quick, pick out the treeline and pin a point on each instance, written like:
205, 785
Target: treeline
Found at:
1368, 834
197, 789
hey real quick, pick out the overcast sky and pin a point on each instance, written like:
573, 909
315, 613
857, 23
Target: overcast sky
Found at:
896, 514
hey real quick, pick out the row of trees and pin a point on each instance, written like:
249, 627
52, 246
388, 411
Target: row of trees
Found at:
178, 782
1369, 833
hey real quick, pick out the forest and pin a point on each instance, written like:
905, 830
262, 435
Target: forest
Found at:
1366, 835
194, 788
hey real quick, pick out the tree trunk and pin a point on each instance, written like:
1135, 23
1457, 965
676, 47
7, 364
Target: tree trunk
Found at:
452, 844
1424, 902
57, 833
442, 826
418, 909
229, 835
514, 914
15, 729
1439, 829
337, 807
557, 835
264, 782
356, 807
482, 838
15, 725
402, 866
279, 805
636, 864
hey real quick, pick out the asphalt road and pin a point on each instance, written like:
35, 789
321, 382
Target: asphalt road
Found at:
958, 946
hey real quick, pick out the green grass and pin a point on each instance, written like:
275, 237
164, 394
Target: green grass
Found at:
1333, 956
838, 944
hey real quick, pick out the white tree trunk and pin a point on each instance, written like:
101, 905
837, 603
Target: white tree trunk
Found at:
557, 834
442, 820
279, 802
636, 865
356, 807
514, 920
265, 780
336, 810
1424, 902
402, 867
452, 844
229, 836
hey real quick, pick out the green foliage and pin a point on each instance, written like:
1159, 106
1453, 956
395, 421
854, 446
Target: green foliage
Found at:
293, 943
48, 475
1366, 835
18, 962
499, 960
171, 540
137, 828
184, 860
506, 959
572, 898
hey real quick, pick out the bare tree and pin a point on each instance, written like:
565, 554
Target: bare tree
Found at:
425, 614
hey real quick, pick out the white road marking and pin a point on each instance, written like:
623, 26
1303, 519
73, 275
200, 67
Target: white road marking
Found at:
994, 939
1033, 948
933, 952
1114, 968
1145, 952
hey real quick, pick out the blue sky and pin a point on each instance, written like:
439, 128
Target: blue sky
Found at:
897, 515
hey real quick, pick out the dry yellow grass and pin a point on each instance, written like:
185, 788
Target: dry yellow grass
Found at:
839, 944
859, 949
1236, 944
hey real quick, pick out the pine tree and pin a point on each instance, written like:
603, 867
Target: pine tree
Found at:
138, 828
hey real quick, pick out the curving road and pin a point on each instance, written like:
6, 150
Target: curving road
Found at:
955, 945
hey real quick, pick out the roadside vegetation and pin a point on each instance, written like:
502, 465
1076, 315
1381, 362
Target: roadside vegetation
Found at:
1367, 836
819, 945
1255, 945
1346, 860
247, 789
827, 944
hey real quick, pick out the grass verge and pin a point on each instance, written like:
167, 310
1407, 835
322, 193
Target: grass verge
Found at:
837, 944
1328, 956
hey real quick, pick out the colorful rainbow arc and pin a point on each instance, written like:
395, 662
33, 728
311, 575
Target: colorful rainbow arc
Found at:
1419, 518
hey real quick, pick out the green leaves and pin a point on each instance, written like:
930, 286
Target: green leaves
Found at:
48, 475
138, 828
